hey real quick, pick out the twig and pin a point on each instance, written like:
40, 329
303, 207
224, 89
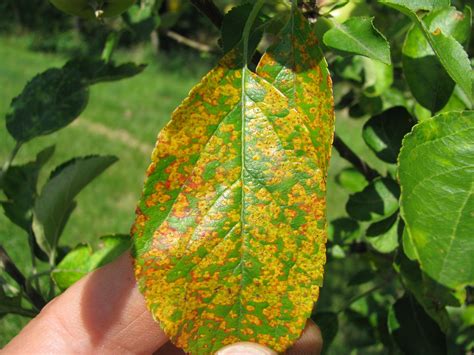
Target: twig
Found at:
189, 42
210, 10
10, 268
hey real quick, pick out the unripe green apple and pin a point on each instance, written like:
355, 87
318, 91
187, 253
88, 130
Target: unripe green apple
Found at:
92, 9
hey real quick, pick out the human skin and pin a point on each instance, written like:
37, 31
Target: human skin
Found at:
104, 313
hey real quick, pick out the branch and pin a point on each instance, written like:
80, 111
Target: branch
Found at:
189, 42
211, 11
10, 268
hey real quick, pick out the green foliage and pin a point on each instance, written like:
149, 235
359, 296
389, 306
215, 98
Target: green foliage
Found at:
399, 271
436, 157
358, 36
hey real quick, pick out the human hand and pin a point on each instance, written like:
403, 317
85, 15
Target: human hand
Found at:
105, 313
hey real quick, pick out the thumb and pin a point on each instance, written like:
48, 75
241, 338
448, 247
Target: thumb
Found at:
245, 348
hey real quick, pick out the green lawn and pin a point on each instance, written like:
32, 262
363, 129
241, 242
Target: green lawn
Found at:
123, 119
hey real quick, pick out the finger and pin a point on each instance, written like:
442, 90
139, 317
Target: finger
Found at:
103, 312
310, 343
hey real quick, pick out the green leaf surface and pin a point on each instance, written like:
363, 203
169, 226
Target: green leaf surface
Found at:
436, 166
230, 231
378, 77
383, 133
428, 80
50, 101
82, 259
358, 35
448, 51
351, 179
383, 236
20, 187
413, 330
56, 201
416, 5
376, 202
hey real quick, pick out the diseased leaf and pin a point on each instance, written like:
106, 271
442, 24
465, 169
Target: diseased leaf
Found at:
56, 201
358, 35
377, 201
413, 330
230, 232
436, 166
449, 52
83, 260
428, 80
383, 133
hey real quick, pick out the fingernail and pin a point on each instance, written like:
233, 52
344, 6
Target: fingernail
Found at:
245, 348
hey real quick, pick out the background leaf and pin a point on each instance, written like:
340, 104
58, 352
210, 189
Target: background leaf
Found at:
56, 201
50, 101
415, 5
377, 201
383, 133
413, 330
83, 260
428, 80
436, 166
383, 236
358, 35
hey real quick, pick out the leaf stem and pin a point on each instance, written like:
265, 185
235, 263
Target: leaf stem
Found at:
10, 159
11, 269
110, 45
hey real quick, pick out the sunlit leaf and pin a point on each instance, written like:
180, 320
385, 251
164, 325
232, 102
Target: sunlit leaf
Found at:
230, 232
83, 259
358, 35
383, 235
351, 179
415, 5
436, 167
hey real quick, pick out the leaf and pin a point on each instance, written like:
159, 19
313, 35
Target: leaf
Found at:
449, 52
413, 330
229, 234
19, 185
82, 260
377, 201
92, 70
343, 230
428, 80
430, 295
383, 133
351, 179
232, 28
415, 5
49, 102
328, 322
378, 77
56, 201
358, 35
436, 166
383, 235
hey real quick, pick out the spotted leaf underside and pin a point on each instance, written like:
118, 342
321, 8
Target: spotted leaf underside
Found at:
229, 237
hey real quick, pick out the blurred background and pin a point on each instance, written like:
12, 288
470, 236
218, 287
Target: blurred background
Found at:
124, 117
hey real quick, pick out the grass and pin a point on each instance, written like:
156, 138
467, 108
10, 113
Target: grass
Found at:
122, 119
